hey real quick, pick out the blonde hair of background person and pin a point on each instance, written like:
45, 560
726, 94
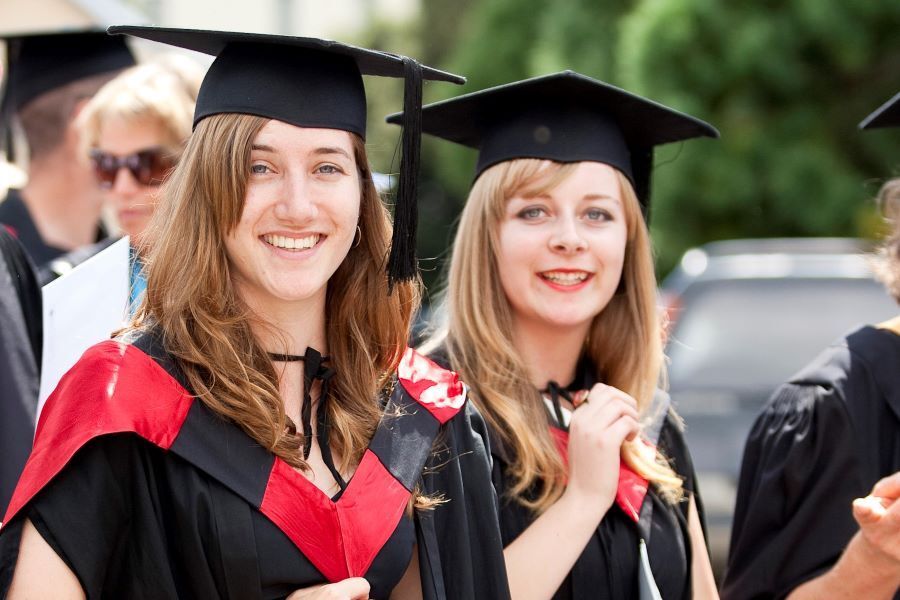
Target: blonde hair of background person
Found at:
163, 91
160, 95
624, 340
887, 263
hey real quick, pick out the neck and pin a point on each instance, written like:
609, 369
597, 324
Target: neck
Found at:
550, 353
291, 327
63, 200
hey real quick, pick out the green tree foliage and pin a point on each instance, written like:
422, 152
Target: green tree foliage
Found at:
786, 83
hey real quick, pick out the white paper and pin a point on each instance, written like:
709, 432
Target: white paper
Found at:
82, 308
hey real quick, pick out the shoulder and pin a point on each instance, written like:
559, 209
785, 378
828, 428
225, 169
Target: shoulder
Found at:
115, 387
436, 388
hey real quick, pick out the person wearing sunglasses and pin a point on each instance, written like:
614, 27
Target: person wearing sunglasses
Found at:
133, 131
260, 429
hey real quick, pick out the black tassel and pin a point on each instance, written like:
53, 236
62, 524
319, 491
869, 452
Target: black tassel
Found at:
402, 260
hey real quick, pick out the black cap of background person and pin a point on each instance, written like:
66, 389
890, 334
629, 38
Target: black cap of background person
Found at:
886, 115
310, 82
39, 62
565, 117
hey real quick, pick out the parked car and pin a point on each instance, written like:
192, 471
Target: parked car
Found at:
745, 315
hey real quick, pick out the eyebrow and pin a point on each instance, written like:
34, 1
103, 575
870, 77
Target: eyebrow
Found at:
324, 150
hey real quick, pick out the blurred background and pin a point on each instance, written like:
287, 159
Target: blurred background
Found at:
786, 83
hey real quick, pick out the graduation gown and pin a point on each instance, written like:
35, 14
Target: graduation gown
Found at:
609, 565
20, 359
824, 438
14, 214
146, 493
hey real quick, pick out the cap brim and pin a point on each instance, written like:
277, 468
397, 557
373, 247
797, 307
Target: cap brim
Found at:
370, 62
886, 115
644, 123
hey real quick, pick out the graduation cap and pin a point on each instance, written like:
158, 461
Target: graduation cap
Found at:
564, 117
310, 82
43, 61
886, 115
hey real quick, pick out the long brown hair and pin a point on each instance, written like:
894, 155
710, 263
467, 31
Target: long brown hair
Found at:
207, 328
624, 343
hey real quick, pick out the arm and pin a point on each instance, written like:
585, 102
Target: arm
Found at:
702, 580
538, 560
870, 565
410, 585
40, 572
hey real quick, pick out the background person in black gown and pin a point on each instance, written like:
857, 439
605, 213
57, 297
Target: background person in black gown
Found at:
49, 78
827, 439
20, 360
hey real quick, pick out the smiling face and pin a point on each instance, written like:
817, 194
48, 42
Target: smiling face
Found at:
299, 217
561, 252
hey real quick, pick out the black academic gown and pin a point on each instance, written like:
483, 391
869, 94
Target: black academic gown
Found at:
609, 565
14, 214
824, 439
20, 356
145, 493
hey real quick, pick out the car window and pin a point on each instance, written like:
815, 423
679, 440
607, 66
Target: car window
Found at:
758, 332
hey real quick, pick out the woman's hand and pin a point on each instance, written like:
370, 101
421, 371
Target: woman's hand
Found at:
355, 588
599, 427
878, 516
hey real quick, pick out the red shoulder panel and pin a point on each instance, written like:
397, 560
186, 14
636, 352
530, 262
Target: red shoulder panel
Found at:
107, 391
632, 488
434, 387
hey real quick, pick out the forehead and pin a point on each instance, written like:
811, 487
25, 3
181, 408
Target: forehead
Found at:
281, 136
580, 179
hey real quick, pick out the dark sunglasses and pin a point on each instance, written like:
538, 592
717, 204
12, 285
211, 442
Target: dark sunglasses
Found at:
149, 167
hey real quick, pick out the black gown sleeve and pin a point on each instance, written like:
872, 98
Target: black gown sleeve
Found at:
460, 550
799, 475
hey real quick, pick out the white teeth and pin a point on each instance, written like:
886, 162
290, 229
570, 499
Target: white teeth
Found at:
290, 243
567, 278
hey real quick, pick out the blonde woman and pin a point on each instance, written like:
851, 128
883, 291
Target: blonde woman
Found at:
552, 319
817, 513
246, 437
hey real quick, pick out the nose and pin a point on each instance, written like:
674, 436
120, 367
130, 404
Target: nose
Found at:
297, 202
125, 184
566, 237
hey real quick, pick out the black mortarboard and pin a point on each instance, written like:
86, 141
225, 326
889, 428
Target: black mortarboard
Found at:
565, 117
886, 115
310, 82
43, 61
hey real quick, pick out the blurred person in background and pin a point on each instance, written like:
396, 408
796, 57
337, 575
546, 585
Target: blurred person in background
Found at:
816, 513
261, 429
133, 132
552, 319
20, 360
49, 78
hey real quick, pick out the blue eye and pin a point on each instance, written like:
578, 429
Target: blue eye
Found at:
259, 169
596, 214
328, 169
534, 212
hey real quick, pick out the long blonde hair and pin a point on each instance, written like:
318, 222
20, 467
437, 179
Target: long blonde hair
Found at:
624, 343
887, 264
207, 328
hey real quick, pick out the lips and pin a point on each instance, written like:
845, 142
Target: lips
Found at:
292, 243
565, 278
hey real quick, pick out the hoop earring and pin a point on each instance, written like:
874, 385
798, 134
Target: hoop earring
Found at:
357, 237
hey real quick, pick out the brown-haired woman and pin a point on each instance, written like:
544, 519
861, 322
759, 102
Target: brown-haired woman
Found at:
213, 449
552, 319
817, 514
